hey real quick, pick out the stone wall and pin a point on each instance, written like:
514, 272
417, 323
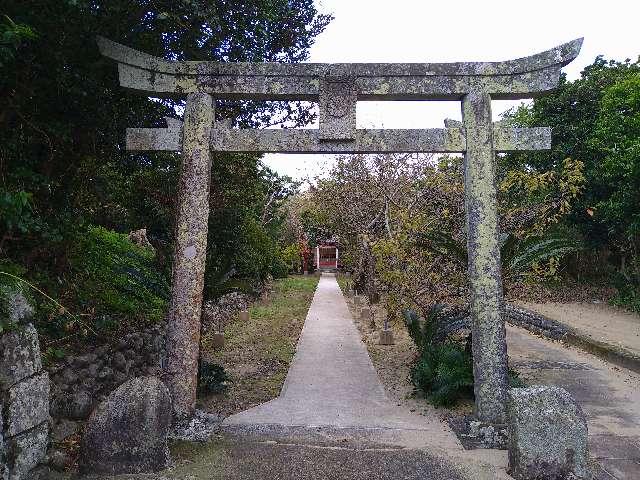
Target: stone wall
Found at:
24, 404
37, 404
82, 381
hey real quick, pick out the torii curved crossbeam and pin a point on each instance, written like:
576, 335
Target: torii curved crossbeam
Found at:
511, 79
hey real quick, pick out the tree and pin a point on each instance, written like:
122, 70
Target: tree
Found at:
358, 201
592, 120
63, 165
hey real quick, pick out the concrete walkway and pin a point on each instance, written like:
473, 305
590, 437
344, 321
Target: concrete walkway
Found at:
332, 382
599, 321
333, 404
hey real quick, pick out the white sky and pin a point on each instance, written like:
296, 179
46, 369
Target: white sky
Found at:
463, 30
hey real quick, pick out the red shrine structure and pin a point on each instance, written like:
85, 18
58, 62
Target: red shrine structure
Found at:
326, 258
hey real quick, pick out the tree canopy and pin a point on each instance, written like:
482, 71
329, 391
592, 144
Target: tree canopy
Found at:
63, 165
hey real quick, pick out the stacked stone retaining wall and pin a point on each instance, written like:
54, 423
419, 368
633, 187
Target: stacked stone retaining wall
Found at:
24, 404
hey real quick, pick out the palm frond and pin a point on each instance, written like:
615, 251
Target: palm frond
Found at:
442, 243
537, 249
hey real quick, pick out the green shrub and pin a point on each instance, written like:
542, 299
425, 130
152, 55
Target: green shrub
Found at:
444, 367
444, 373
114, 277
443, 370
628, 291
212, 378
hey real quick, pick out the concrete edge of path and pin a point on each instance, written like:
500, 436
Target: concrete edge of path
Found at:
614, 354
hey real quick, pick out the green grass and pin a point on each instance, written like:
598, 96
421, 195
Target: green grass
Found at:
257, 353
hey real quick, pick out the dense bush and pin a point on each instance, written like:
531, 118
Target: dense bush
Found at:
212, 378
115, 278
443, 369
444, 373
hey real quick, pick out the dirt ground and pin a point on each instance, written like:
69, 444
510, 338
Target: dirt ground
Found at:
599, 321
393, 363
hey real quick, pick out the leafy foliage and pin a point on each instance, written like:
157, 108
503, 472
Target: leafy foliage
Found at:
212, 378
518, 256
444, 373
444, 367
116, 278
594, 119
64, 169
12, 35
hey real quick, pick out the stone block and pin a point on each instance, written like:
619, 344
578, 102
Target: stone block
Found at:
357, 300
19, 355
547, 434
127, 433
80, 405
27, 404
17, 306
386, 337
217, 341
365, 314
244, 315
27, 450
4, 469
63, 429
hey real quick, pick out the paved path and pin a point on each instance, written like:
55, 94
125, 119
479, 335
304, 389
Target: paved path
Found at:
332, 382
609, 396
333, 406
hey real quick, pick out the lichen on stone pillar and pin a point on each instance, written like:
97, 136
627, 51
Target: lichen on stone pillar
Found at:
183, 329
488, 331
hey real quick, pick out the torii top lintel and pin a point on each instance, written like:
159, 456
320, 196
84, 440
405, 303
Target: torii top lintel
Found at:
511, 79
337, 88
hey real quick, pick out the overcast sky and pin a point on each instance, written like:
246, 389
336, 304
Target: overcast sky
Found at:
463, 30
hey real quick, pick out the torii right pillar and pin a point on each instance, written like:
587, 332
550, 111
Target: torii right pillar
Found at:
484, 271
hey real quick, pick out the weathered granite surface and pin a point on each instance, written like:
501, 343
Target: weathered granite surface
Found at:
511, 79
16, 305
24, 400
26, 451
547, 435
187, 279
19, 355
24, 391
484, 270
127, 433
27, 404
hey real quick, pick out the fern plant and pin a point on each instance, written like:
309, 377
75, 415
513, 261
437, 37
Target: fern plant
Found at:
444, 373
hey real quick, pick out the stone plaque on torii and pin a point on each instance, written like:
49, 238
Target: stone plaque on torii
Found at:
337, 88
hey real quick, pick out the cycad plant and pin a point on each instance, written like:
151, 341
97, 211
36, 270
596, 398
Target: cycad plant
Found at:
444, 367
518, 255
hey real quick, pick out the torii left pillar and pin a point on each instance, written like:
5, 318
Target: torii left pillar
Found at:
183, 329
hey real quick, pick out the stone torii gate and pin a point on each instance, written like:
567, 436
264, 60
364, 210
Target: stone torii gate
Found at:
337, 88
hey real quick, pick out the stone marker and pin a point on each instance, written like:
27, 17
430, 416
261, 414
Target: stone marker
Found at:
217, 340
357, 300
127, 433
27, 450
547, 434
243, 315
337, 88
365, 314
19, 355
386, 337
